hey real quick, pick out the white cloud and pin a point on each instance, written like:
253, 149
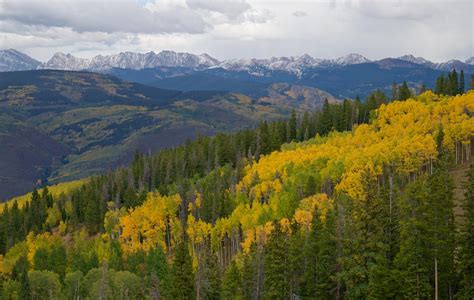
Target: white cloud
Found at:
231, 9
116, 16
299, 13
437, 30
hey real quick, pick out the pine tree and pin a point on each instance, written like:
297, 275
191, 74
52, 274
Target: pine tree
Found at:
115, 256
292, 127
249, 274
326, 119
440, 87
213, 275
182, 276
466, 260
232, 282
366, 222
20, 274
347, 115
404, 91
453, 85
276, 265
441, 234
41, 259
461, 82
320, 253
208, 277
413, 265
157, 274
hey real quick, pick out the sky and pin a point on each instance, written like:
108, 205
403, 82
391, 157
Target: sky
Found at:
438, 30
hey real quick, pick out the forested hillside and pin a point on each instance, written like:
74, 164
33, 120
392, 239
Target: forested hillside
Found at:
57, 126
352, 201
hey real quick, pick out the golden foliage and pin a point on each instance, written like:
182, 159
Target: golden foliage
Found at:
146, 226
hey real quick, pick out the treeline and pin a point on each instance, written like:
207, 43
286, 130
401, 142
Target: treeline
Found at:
451, 84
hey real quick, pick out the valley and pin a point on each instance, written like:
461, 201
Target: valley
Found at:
90, 122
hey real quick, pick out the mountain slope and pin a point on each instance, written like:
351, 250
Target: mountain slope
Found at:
333, 195
13, 60
130, 60
27, 155
343, 81
95, 121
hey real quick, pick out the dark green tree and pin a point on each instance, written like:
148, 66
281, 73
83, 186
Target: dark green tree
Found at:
326, 119
452, 83
404, 92
277, 277
366, 221
20, 274
321, 256
441, 232
232, 282
292, 127
461, 82
250, 274
182, 275
440, 86
466, 259
412, 263
158, 274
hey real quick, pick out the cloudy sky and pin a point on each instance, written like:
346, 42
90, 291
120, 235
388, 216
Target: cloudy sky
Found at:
435, 29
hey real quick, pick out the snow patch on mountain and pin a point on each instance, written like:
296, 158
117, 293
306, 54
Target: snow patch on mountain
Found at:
13, 60
351, 59
292, 64
130, 60
417, 60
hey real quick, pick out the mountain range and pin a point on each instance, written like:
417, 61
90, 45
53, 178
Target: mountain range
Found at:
13, 60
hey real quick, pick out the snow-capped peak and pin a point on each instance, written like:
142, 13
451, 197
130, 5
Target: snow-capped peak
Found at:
292, 64
13, 60
416, 60
64, 61
130, 60
351, 59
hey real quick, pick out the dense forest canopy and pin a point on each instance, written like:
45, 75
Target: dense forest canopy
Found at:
355, 200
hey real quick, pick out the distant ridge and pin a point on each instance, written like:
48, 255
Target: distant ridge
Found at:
13, 60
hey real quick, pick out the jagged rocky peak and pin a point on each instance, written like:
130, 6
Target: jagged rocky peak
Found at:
351, 59
13, 60
417, 60
130, 60
67, 61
